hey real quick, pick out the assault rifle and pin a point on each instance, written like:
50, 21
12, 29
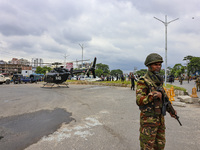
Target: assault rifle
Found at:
167, 105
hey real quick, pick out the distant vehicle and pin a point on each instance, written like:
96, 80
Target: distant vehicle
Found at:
26, 80
17, 78
4, 79
74, 78
90, 78
36, 77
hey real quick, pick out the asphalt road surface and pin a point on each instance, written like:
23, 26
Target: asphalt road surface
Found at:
83, 117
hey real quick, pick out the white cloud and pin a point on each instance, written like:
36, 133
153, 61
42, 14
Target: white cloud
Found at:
120, 33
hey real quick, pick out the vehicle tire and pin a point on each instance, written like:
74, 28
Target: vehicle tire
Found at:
7, 81
1, 82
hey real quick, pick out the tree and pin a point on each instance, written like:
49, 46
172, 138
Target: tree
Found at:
42, 70
188, 59
141, 72
98, 72
194, 65
177, 70
116, 72
104, 68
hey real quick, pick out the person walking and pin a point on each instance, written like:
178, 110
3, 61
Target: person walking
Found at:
149, 100
198, 83
132, 81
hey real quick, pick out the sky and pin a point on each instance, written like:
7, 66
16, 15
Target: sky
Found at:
120, 33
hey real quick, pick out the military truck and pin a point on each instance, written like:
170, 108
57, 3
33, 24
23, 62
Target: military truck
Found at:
4, 79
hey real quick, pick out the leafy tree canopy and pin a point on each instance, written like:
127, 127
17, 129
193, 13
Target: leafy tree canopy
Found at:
116, 72
141, 72
42, 70
104, 68
189, 57
194, 65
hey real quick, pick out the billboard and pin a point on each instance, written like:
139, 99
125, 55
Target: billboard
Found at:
69, 65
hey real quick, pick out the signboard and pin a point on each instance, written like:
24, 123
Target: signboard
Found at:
69, 65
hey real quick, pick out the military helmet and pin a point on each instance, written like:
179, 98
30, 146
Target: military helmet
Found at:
153, 58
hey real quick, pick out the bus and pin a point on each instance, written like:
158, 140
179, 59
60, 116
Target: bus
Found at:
36, 77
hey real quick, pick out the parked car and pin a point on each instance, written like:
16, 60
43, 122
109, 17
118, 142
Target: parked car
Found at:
26, 80
4, 79
90, 78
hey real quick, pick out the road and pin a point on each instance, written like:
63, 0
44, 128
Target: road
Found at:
88, 117
187, 86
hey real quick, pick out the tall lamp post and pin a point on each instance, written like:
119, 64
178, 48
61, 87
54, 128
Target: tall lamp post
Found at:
166, 23
82, 47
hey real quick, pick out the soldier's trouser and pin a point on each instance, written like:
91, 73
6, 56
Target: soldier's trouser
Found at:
152, 138
198, 86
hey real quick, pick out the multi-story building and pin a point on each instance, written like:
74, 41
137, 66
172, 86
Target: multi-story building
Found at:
37, 62
23, 61
15, 66
2, 62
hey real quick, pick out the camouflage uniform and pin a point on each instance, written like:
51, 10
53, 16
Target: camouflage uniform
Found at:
152, 123
198, 83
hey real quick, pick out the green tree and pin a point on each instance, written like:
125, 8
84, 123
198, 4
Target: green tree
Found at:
188, 59
194, 65
141, 72
104, 68
42, 70
177, 70
98, 72
116, 72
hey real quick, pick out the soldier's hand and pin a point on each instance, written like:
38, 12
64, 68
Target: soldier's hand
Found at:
157, 94
173, 115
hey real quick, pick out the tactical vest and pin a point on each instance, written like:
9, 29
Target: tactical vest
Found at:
156, 104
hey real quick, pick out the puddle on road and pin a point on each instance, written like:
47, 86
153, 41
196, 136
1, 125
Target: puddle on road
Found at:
20, 131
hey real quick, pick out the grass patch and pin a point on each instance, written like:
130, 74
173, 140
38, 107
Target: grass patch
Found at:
175, 87
129, 82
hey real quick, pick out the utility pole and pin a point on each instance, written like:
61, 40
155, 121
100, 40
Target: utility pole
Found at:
82, 47
166, 23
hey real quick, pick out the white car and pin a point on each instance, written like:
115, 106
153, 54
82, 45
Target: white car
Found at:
90, 78
4, 79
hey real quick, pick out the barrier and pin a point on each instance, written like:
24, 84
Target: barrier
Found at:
194, 93
172, 94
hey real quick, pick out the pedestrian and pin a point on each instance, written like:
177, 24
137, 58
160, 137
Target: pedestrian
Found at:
181, 80
152, 123
198, 83
132, 81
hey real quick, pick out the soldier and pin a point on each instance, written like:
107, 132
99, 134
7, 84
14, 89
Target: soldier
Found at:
152, 124
198, 83
132, 77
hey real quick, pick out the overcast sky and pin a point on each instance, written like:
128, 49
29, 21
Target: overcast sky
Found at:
120, 33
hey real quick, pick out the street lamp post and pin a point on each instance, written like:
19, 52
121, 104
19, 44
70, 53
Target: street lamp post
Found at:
166, 23
82, 47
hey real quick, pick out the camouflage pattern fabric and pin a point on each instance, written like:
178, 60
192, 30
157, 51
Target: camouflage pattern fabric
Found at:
152, 125
198, 83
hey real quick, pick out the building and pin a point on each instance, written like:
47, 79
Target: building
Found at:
85, 65
23, 61
26, 71
15, 66
13, 61
37, 62
2, 62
